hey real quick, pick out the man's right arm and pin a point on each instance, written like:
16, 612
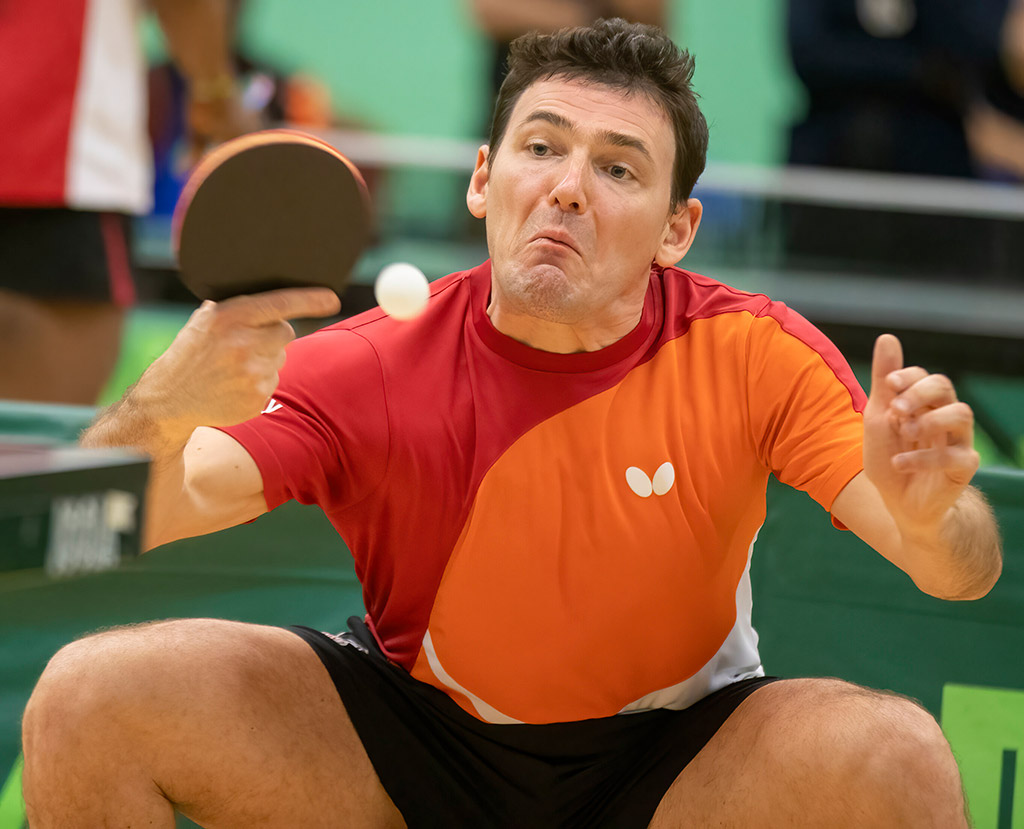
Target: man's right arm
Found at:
209, 484
220, 370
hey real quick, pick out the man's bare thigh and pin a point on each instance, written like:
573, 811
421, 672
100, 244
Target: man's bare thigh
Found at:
235, 724
820, 752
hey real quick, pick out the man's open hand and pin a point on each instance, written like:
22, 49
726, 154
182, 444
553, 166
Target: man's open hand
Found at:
918, 439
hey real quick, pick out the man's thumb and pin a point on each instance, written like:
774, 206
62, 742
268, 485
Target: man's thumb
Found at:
887, 358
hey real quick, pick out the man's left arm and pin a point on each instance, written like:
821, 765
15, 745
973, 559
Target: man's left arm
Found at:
913, 502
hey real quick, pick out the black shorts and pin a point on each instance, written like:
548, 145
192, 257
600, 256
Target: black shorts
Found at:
59, 254
444, 768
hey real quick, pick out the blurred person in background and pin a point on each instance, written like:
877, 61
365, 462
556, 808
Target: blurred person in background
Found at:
889, 81
271, 94
995, 135
889, 84
503, 21
75, 164
274, 95
995, 122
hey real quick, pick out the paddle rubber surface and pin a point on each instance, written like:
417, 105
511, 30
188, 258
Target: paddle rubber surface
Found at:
271, 209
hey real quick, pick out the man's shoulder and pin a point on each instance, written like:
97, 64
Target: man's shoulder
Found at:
693, 296
690, 296
372, 339
447, 294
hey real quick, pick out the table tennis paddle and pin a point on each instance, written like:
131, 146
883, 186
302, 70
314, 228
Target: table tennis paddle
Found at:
270, 209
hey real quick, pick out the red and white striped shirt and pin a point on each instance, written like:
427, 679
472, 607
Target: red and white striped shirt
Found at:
73, 106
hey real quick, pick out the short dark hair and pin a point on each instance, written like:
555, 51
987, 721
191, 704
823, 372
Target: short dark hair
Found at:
632, 57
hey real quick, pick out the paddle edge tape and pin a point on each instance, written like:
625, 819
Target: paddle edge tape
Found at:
235, 146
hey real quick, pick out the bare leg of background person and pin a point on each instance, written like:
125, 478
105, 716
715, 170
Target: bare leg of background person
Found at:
57, 352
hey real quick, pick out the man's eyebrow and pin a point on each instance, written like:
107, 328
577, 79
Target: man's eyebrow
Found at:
616, 139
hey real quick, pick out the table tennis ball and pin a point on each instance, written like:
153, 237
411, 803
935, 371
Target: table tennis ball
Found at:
402, 291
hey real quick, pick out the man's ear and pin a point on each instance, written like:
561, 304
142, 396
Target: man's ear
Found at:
679, 232
476, 196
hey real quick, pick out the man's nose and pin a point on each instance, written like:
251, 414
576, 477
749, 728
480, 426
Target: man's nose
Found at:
570, 190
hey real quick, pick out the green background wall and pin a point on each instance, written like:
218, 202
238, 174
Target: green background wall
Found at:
420, 68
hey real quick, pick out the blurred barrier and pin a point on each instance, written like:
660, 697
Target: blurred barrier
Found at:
743, 199
811, 185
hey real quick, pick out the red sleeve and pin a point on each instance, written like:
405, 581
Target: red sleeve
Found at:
323, 439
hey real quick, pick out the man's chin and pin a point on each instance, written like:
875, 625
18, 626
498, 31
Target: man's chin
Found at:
544, 291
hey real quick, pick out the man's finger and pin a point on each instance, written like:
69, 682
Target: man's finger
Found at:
931, 392
284, 304
271, 338
887, 358
952, 424
904, 378
958, 462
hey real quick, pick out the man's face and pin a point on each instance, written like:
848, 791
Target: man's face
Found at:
577, 200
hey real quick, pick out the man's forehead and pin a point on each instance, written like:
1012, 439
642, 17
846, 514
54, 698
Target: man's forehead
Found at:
610, 114
612, 137
551, 94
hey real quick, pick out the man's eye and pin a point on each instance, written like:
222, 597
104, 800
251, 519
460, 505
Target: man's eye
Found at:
617, 171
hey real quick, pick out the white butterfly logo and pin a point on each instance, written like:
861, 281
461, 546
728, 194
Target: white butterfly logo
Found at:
643, 486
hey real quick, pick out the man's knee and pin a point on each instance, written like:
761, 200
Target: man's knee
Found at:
911, 744
888, 748
75, 708
133, 677
85, 679
110, 682
888, 726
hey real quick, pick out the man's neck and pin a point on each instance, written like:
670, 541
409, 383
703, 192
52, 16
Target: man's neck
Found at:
565, 338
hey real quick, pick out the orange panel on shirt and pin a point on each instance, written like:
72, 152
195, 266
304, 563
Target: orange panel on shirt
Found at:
569, 595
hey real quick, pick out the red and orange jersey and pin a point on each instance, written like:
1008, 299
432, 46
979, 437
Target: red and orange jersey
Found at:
551, 537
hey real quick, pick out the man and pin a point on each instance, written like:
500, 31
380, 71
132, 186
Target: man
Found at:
551, 482
888, 85
75, 165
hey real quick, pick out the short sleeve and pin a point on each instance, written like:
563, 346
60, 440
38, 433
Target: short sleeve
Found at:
805, 404
323, 438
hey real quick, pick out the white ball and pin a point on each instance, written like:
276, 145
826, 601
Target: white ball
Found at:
402, 291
